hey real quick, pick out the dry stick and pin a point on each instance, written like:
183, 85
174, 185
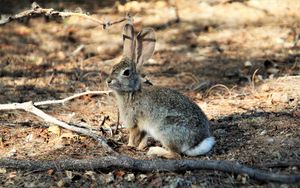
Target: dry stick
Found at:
118, 123
29, 107
128, 163
36, 10
62, 101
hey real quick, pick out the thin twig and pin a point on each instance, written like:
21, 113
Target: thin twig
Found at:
37, 10
51, 78
62, 101
128, 163
218, 85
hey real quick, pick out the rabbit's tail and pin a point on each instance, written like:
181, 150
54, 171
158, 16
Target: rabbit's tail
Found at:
202, 148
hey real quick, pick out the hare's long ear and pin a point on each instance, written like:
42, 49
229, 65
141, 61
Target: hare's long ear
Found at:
128, 41
145, 46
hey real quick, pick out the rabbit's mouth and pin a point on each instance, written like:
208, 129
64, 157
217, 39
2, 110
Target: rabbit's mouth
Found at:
113, 87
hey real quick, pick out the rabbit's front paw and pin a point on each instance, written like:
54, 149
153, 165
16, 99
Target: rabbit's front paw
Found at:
131, 145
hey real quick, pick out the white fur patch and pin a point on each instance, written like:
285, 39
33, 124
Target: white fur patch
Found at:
202, 148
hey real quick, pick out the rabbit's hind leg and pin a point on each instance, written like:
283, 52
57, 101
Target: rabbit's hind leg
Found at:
162, 152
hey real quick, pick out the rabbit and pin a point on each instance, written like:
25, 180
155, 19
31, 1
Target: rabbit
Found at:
164, 114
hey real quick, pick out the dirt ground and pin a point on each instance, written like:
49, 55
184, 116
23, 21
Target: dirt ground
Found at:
238, 60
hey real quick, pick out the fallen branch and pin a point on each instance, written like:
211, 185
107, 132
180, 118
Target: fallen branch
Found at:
30, 107
36, 11
128, 163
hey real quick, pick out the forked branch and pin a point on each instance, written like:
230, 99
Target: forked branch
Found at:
62, 101
30, 107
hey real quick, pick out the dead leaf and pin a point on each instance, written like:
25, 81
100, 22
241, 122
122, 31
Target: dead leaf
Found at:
120, 173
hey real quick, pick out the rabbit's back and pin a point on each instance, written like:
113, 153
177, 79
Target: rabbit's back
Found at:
164, 103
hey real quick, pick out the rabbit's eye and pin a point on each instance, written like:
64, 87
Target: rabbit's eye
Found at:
126, 72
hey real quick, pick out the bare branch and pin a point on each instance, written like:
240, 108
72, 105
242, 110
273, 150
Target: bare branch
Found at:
30, 107
62, 101
124, 162
37, 11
